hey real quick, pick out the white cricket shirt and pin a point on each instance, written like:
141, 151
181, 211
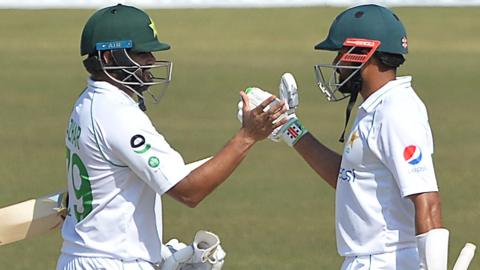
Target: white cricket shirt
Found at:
388, 156
118, 165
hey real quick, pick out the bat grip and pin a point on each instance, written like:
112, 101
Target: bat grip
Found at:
465, 257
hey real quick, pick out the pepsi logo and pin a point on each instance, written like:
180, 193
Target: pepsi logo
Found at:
412, 154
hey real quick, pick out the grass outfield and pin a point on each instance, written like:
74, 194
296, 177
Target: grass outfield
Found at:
273, 212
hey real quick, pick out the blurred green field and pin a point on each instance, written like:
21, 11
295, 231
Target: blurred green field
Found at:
274, 212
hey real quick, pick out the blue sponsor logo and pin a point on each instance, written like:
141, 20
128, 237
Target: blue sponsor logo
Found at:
347, 175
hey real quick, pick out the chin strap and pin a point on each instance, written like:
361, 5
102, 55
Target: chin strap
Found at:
354, 86
141, 104
351, 102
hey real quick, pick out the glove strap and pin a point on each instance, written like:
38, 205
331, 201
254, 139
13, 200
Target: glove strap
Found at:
293, 131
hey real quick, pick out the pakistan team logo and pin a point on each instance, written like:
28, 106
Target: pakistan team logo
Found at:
153, 162
137, 142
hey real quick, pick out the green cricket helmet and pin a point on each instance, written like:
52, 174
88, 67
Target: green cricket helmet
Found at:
361, 31
124, 30
357, 29
120, 26
371, 22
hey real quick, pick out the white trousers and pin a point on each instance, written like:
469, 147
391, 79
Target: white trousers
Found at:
403, 259
70, 262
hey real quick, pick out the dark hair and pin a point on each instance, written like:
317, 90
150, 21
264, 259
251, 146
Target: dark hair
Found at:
92, 65
390, 60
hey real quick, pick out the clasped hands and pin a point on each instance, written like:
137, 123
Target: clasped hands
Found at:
265, 115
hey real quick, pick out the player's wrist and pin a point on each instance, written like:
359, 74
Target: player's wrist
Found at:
292, 131
245, 138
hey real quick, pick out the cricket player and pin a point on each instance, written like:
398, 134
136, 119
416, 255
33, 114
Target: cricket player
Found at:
119, 165
388, 213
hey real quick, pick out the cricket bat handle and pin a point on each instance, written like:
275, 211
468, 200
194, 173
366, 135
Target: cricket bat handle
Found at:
465, 257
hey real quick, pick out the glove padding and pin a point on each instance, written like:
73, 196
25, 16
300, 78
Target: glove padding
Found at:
205, 253
433, 249
289, 92
255, 97
291, 131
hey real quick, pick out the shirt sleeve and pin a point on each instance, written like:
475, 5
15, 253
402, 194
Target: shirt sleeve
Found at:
136, 143
405, 146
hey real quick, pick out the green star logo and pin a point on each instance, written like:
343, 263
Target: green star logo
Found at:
154, 28
153, 162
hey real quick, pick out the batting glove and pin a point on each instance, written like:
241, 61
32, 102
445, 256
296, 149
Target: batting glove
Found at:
433, 249
205, 253
291, 131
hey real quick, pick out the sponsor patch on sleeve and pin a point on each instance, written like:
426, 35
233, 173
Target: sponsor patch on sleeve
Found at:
413, 155
139, 145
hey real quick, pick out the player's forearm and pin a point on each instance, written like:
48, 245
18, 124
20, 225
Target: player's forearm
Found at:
204, 179
216, 170
257, 124
432, 239
428, 213
323, 161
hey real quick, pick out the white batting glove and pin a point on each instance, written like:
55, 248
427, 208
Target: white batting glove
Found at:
176, 254
255, 97
289, 92
433, 249
208, 254
205, 253
293, 130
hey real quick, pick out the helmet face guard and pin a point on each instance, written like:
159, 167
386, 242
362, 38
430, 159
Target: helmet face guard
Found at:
125, 31
328, 75
136, 77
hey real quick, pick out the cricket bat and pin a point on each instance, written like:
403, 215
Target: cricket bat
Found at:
32, 217
465, 257
38, 216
